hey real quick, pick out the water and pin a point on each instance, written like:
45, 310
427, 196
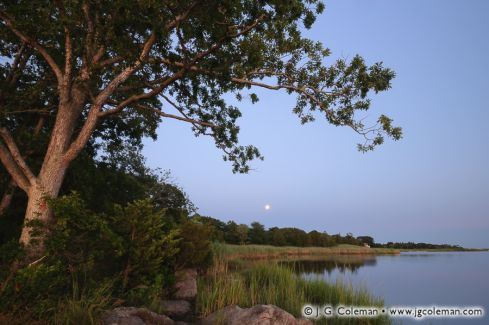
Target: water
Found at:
414, 279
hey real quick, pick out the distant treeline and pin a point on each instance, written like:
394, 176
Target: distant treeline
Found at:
411, 245
233, 233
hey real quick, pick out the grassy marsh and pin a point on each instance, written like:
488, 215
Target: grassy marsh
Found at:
232, 281
256, 252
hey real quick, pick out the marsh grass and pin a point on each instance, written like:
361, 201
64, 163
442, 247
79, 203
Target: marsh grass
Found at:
84, 307
256, 252
271, 283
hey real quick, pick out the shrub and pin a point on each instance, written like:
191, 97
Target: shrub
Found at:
195, 246
131, 249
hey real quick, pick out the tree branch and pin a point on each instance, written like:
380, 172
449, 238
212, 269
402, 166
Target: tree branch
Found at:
93, 115
135, 98
176, 117
13, 169
9, 22
16, 155
222, 40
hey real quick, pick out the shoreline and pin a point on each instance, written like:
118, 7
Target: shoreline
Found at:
441, 250
260, 252
257, 252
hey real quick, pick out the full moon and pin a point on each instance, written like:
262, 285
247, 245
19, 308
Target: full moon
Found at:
267, 206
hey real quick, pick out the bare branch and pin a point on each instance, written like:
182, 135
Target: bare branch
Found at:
93, 115
68, 46
88, 127
16, 155
135, 98
49, 59
176, 117
179, 18
33, 110
13, 169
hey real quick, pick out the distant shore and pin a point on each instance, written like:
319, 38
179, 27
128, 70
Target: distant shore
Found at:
266, 251
257, 252
444, 249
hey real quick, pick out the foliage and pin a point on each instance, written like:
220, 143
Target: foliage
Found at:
106, 180
257, 233
195, 247
412, 245
145, 58
233, 233
131, 250
148, 248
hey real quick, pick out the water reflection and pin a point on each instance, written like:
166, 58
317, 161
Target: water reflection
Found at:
329, 264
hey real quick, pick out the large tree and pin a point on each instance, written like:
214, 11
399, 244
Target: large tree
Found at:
75, 70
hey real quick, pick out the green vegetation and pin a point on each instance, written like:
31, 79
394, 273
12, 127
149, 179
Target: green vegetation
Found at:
271, 283
79, 74
230, 252
233, 233
427, 247
95, 261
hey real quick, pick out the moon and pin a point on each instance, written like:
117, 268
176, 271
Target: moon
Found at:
267, 206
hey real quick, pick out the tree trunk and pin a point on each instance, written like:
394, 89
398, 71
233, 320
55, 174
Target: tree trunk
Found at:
51, 175
38, 210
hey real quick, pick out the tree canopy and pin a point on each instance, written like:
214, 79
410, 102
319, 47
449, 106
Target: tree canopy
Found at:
78, 73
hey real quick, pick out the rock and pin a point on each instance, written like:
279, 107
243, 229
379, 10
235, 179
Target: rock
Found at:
177, 309
186, 284
135, 316
256, 315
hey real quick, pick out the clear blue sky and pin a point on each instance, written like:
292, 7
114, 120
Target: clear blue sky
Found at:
432, 186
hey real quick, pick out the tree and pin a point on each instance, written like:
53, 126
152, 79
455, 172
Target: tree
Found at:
115, 69
366, 240
231, 233
242, 230
257, 233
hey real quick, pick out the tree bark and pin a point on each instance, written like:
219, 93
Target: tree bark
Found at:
53, 170
38, 210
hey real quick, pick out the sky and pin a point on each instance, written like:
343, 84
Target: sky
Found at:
432, 186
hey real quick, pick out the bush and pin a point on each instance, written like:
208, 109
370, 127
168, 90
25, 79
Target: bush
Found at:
195, 246
132, 249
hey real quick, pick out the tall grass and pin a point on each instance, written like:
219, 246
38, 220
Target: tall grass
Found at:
84, 307
274, 284
266, 251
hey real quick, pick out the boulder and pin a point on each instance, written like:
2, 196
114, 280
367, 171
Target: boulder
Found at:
256, 315
177, 309
135, 316
186, 284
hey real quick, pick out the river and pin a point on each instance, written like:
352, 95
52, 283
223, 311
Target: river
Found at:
413, 279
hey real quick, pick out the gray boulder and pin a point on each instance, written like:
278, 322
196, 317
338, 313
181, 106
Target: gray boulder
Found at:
177, 309
256, 315
135, 316
186, 284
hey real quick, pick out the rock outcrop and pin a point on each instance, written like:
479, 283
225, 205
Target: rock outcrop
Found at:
256, 315
135, 316
177, 309
186, 284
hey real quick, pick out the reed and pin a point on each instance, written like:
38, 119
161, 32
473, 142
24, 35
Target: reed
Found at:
271, 283
257, 252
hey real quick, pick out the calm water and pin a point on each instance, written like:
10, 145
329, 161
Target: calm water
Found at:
414, 279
